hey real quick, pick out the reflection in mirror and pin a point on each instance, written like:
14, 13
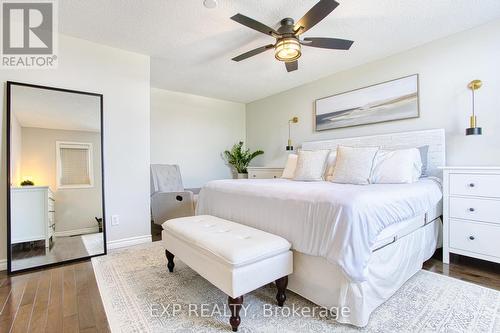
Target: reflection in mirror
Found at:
56, 199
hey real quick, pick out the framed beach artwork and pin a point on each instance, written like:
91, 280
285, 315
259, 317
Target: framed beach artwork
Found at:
392, 100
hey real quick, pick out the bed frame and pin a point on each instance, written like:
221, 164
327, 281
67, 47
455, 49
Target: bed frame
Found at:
433, 138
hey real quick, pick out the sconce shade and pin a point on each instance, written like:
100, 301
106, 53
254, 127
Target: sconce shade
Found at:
474, 131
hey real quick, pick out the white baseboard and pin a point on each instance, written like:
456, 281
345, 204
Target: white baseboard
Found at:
124, 242
74, 232
3, 264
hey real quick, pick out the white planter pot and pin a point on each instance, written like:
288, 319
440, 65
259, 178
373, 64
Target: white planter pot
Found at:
242, 176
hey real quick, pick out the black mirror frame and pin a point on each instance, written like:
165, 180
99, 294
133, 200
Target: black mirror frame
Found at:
8, 125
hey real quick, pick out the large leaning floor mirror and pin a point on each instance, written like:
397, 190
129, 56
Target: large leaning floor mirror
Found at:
55, 166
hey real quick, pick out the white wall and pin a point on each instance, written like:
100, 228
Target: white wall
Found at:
445, 67
193, 131
16, 150
75, 208
123, 78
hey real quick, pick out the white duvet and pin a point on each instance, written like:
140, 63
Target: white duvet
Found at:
339, 222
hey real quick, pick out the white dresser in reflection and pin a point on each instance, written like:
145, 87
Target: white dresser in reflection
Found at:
471, 212
32, 214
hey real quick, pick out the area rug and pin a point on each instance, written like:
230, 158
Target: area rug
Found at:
93, 243
139, 295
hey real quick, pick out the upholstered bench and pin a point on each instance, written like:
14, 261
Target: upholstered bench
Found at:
235, 258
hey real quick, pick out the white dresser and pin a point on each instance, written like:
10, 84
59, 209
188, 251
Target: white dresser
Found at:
32, 214
264, 172
471, 211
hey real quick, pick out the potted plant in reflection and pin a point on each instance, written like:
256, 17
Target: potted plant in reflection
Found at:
239, 158
27, 181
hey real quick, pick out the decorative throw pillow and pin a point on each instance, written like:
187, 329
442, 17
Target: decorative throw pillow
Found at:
354, 165
311, 165
330, 164
291, 164
402, 166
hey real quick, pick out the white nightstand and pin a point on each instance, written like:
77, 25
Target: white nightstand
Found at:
264, 172
471, 212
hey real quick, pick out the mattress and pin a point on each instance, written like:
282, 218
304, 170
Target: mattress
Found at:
340, 222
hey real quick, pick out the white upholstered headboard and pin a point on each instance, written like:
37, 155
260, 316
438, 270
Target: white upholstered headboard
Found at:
433, 138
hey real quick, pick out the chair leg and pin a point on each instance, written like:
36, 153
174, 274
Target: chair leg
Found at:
281, 284
170, 258
235, 307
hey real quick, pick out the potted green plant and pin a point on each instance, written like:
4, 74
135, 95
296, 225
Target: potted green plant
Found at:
239, 158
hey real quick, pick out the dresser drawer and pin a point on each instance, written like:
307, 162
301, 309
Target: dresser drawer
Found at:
50, 205
264, 175
475, 184
475, 209
475, 237
51, 219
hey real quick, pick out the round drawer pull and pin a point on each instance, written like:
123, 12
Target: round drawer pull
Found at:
254, 176
472, 237
472, 185
471, 209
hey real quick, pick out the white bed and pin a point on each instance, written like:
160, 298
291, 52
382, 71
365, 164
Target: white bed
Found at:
354, 245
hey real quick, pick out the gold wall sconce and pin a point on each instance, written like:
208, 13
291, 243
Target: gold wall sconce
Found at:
474, 129
294, 120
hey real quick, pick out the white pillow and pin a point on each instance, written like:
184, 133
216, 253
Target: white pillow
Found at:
402, 166
354, 165
330, 164
311, 165
291, 164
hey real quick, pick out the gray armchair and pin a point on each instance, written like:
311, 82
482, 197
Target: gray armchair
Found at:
168, 198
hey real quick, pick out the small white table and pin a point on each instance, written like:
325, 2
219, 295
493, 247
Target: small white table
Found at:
264, 172
471, 212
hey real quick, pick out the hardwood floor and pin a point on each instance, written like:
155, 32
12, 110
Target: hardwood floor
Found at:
60, 299
66, 298
477, 271
64, 248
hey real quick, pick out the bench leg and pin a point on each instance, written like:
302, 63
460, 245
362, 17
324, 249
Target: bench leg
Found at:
170, 258
281, 284
235, 307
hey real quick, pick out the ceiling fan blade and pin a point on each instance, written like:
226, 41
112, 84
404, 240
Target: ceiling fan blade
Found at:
253, 24
292, 66
328, 43
315, 15
253, 52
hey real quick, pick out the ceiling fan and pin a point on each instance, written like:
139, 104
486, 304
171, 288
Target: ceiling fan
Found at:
288, 43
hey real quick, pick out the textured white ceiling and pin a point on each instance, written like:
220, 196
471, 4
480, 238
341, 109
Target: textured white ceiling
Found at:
42, 108
191, 46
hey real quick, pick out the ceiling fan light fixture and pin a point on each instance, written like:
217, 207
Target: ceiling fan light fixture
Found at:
287, 49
